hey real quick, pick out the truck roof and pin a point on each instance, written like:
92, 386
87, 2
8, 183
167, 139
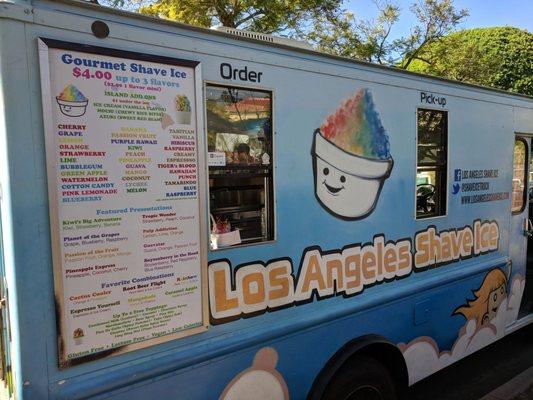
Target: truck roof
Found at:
220, 33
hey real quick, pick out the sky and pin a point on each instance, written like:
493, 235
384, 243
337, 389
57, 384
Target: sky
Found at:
483, 13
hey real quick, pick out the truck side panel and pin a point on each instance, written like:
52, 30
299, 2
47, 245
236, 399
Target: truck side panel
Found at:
304, 336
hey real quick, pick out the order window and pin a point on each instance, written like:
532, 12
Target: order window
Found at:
240, 161
431, 169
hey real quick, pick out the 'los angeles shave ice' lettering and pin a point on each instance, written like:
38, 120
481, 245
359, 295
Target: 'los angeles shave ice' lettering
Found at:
257, 287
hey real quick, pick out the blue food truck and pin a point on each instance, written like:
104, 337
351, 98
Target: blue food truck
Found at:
219, 214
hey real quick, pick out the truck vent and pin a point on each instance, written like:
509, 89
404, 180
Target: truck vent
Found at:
264, 37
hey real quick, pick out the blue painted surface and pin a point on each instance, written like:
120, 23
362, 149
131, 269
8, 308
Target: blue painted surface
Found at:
306, 88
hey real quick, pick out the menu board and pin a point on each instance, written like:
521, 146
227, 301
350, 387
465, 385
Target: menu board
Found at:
123, 171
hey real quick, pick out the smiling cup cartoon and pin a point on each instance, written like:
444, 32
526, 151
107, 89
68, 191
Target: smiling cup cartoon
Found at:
72, 102
351, 158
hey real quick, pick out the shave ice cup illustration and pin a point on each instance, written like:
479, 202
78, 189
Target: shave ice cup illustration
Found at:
351, 158
72, 102
183, 109
78, 336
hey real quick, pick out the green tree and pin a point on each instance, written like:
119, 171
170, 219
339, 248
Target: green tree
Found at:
371, 40
321, 22
500, 57
290, 18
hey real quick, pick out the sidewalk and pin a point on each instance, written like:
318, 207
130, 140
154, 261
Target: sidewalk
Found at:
526, 395
518, 388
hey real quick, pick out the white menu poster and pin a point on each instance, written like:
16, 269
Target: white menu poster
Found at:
123, 171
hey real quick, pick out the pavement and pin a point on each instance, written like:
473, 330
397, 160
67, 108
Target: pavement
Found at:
518, 388
526, 395
503, 370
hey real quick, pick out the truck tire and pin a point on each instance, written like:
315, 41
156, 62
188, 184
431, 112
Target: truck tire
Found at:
362, 378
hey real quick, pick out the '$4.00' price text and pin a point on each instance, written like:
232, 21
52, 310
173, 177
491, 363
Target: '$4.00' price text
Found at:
87, 74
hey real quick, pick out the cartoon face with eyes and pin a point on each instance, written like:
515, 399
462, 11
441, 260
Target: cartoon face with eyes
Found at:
488, 298
343, 194
345, 185
496, 297
334, 191
72, 109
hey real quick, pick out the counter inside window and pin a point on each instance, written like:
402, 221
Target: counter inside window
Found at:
240, 159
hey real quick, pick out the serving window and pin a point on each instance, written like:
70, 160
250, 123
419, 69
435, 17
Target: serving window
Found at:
239, 140
519, 176
432, 163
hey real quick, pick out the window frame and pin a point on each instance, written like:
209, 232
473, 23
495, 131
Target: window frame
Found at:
526, 176
434, 167
267, 89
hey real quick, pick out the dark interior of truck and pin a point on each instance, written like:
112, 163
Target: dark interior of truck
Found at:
527, 299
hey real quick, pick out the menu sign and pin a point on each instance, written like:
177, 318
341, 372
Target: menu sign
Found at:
123, 171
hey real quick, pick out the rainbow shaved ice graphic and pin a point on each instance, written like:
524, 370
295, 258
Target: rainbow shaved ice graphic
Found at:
356, 128
72, 102
351, 158
71, 93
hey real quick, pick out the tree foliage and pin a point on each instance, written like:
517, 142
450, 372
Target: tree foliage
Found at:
266, 16
500, 57
371, 41
321, 22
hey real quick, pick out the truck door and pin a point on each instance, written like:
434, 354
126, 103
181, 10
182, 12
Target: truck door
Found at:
521, 233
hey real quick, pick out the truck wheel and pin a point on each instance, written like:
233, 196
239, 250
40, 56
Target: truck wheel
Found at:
362, 378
